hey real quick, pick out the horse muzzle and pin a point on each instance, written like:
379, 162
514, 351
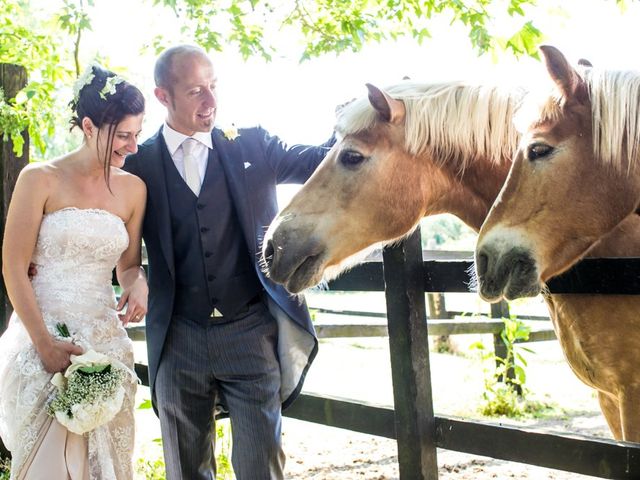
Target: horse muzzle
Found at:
293, 260
506, 274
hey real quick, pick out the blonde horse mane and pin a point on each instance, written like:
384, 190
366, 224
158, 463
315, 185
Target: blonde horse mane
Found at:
615, 114
454, 121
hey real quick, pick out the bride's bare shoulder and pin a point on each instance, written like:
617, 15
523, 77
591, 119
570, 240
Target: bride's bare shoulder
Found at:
51, 172
40, 174
129, 181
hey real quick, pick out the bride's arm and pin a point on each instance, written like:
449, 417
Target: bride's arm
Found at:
20, 236
131, 276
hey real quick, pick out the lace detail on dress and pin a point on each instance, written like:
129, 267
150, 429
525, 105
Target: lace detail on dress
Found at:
75, 255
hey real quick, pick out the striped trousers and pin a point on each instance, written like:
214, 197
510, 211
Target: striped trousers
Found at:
234, 361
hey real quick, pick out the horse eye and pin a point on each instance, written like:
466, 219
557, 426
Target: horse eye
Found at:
536, 151
351, 158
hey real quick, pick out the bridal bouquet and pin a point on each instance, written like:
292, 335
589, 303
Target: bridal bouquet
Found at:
90, 392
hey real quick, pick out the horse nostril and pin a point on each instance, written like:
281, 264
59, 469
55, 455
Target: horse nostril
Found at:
482, 263
268, 253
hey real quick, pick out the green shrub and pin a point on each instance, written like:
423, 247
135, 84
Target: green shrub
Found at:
505, 392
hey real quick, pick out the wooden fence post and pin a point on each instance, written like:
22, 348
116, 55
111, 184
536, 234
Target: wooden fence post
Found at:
12, 79
409, 350
438, 309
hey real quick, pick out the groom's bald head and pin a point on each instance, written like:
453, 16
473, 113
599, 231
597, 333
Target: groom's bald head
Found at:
164, 73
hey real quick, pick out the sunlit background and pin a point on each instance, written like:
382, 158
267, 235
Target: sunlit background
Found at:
296, 100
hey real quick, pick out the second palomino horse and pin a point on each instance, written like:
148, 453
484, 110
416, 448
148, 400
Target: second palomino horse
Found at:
575, 177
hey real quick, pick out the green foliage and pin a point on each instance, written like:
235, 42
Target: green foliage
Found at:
154, 468
504, 395
5, 468
151, 468
74, 19
213, 25
48, 45
341, 25
223, 451
336, 26
36, 43
145, 405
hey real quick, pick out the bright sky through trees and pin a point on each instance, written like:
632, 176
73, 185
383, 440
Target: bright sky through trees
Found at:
297, 101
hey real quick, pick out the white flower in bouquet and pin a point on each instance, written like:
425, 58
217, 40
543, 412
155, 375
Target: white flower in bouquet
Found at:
90, 393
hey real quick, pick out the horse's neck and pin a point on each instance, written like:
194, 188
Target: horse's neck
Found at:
622, 241
473, 191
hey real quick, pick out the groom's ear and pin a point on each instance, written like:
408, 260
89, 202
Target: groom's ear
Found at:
162, 95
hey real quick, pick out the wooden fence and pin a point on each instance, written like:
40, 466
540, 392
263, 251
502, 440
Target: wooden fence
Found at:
404, 277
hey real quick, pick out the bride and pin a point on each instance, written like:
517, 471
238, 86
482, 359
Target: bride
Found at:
74, 218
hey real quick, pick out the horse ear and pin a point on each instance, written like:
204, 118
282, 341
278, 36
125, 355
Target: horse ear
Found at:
571, 85
389, 109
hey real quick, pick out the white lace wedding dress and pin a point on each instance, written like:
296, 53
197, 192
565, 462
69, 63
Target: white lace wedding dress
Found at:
75, 255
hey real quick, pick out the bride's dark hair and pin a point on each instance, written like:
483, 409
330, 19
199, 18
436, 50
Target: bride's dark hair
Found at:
106, 99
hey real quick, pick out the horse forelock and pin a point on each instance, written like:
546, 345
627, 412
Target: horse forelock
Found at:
538, 108
615, 114
453, 121
615, 99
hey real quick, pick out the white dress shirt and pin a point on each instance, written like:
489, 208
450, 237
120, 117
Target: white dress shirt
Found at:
174, 140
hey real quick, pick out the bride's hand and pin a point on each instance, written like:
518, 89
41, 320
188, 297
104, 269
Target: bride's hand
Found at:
135, 298
55, 355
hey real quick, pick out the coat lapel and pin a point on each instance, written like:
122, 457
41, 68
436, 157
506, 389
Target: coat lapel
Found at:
158, 196
232, 161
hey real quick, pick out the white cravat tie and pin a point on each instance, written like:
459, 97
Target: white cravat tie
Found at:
191, 170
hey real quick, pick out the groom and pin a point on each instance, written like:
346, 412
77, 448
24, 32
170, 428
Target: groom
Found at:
217, 329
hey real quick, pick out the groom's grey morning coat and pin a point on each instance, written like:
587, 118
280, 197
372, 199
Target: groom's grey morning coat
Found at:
254, 163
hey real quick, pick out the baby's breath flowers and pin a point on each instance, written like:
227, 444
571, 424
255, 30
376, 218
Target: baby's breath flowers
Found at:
110, 86
91, 391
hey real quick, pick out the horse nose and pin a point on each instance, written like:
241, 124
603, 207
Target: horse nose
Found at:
482, 263
267, 253
490, 284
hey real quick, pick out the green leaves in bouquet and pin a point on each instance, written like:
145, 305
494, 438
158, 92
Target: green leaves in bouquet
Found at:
95, 369
62, 330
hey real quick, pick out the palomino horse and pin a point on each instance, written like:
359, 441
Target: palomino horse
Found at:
425, 149
575, 177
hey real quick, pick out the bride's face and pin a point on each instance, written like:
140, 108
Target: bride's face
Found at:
125, 138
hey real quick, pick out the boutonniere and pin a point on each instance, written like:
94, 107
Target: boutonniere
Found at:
231, 133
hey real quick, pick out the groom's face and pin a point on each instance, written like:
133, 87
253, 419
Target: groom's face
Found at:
191, 102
